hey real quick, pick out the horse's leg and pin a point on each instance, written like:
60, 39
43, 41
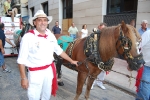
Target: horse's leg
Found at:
59, 72
88, 88
80, 82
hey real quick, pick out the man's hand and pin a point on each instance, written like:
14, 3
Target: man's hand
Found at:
129, 68
13, 46
3, 51
74, 62
24, 83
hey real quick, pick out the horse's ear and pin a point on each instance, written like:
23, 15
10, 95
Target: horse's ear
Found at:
123, 26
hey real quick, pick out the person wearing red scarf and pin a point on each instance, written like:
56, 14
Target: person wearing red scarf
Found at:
143, 76
36, 53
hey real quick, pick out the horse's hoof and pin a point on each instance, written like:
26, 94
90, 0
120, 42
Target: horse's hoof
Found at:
60, 83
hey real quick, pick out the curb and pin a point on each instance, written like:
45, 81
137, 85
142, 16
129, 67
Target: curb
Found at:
129, 91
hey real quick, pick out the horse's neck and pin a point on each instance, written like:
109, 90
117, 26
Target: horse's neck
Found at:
107, 45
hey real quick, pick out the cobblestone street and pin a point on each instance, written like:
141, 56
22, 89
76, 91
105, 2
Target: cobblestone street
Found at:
10, 88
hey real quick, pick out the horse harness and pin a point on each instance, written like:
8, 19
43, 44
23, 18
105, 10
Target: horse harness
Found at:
125, 44
91, 50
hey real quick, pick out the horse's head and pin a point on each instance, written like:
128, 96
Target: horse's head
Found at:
128, 46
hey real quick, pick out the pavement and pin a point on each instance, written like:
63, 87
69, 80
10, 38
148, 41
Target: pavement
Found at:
10, 88
117, 77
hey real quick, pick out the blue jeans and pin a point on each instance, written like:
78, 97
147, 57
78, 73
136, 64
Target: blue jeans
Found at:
74, 36
144, 88
1, 59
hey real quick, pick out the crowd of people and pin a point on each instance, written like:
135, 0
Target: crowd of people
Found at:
37, 62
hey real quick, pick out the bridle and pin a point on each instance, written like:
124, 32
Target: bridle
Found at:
125, 45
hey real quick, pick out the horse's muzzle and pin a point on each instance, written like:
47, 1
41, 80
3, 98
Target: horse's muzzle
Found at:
136, 62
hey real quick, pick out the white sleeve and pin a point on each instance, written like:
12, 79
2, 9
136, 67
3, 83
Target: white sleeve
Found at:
57, 49
69, 30
24, 50
145, 38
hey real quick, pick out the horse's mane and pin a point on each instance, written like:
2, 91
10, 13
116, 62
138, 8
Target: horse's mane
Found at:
107, 43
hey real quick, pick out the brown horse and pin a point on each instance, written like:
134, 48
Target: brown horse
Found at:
113, 41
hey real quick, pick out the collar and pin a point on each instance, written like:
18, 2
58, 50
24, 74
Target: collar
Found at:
35, 32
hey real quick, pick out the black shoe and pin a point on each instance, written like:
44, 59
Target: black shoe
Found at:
60, 83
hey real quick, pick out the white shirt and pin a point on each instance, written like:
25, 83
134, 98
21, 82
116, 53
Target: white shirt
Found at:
38, 51
84, 33
146, 47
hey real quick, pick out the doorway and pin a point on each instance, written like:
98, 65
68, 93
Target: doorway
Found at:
67, 15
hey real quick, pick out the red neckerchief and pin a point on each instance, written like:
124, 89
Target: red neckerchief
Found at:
32, 31
45, 35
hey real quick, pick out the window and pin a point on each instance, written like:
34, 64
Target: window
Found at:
121, 6
45, 8
32, 11
67, 9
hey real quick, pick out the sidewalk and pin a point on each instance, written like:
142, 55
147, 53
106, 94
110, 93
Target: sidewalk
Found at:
119, 80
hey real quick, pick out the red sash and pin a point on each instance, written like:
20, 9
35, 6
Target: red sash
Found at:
139, 77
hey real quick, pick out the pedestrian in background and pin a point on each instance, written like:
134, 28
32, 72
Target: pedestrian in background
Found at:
36, 52
101, 76
56, 29
73, 31
144, 27
9, 11
84, 31
132, 22
143, 87
2, 44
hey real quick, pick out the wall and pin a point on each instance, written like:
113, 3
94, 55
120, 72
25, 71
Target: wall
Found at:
88, 12
54, 11
143, 12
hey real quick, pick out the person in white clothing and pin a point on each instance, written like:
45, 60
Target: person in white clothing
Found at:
101, 76
84, 31
36, 52
143, 87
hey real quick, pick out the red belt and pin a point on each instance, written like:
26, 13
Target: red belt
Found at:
39, 68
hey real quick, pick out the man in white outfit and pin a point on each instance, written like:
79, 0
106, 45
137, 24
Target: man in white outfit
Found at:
101, 76
36, 52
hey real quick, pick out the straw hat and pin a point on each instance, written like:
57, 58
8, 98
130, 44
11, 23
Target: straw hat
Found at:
38, 14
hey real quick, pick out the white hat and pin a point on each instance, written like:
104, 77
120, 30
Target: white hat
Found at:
39, 13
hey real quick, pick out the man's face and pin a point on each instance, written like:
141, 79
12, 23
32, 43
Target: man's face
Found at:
144, 25
101, 27
9, 1
56, 23
41, 24
73, 24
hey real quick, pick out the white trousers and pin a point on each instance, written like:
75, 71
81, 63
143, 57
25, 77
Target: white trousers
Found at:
40, 84
101, 76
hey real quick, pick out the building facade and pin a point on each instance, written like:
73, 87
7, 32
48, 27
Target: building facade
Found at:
91, 12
